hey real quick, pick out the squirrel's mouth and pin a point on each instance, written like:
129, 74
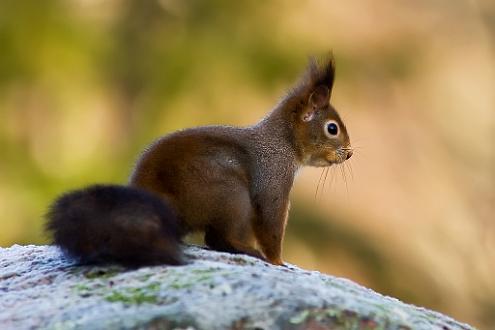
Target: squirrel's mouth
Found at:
329, 157
339, 156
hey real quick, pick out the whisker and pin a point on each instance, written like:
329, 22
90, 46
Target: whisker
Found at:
319, 181
349, 167
341, 173
330, 181
334, 177
325, 179
346, 184
342, 170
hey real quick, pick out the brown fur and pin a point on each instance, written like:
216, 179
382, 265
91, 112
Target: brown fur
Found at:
234, 183
231, 183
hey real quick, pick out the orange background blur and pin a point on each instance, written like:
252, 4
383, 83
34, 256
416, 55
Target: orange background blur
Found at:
85, 85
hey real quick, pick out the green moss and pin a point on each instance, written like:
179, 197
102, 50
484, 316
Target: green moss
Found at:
155, 286
184, 283
80, 287
82, 290
196, 276
136, 296
98, 284
128, 295
89, 289
131, 298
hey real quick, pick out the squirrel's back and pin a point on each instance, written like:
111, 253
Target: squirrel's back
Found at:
110, 223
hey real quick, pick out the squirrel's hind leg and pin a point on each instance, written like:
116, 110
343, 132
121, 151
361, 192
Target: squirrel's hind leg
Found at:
218, 241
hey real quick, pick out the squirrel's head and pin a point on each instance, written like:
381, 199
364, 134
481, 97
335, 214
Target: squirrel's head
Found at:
320, 136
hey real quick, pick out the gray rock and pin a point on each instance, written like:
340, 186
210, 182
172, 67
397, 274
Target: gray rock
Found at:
40, 288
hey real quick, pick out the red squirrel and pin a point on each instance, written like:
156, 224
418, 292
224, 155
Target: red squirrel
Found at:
232, 183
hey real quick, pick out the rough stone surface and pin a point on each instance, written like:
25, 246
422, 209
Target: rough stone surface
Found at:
40, 288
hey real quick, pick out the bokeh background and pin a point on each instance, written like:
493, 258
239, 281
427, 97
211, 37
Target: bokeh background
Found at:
85, 85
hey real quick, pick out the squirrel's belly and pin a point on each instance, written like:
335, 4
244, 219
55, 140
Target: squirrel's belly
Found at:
224, 203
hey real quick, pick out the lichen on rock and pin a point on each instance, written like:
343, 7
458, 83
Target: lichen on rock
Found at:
41, 288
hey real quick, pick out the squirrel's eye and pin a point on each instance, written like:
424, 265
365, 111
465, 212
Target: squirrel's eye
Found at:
332, 128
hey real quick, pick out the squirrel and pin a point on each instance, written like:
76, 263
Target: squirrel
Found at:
231, 183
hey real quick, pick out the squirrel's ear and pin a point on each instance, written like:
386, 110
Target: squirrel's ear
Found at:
320, 97
314, 89
308, 115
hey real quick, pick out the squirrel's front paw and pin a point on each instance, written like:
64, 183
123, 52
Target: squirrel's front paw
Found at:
277, 262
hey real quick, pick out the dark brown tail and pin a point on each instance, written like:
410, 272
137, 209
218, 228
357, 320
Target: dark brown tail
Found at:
109, 223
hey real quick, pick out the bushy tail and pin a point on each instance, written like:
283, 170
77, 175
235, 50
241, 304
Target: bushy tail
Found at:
109, 223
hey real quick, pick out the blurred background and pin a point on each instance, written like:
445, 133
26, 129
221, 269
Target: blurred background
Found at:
85, 85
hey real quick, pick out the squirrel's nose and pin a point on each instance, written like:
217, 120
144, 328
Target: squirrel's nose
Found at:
349, 154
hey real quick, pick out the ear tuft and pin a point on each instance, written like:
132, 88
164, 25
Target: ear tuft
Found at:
320, 72
314, 85
314, 88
